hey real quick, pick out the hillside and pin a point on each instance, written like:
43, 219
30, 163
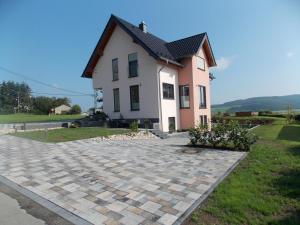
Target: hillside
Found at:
272, 103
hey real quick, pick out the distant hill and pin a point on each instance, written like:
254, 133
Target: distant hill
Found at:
272, 103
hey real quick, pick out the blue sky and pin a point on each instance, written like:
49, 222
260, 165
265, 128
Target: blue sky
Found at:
256, 43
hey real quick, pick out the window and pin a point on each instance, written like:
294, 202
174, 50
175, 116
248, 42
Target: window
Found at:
203, 120
184, 96
133, 65
168, 91
115, 70
202, 103
134, 98
116, 100
200, 63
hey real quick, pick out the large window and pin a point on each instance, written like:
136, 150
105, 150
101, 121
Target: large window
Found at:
200, 63
134, 98
133, 65
115, 69
202, 103
116, 100
168, 91
184, 96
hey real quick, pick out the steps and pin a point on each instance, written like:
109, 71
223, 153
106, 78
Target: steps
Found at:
159, 133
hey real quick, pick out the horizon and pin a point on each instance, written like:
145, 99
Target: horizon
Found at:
254, 57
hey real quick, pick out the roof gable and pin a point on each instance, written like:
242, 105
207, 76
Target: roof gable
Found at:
171, 52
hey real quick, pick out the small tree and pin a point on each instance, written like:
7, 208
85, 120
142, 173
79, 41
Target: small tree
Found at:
75, 109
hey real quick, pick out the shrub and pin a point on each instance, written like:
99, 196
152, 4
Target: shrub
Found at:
134, 126
297, 117
223, 134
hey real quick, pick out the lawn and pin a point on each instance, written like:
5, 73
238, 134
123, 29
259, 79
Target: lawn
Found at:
264, 188
69, 134
25, 118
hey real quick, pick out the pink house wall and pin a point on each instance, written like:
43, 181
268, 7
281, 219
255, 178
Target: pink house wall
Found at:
194, 77
185, 77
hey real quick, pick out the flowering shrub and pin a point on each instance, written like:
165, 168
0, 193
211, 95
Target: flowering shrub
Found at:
223, 134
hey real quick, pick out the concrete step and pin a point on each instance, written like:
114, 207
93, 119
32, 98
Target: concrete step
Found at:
159, 133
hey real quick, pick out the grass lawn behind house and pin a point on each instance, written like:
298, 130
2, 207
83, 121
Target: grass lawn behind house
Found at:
264, 188
25, 118
69, 134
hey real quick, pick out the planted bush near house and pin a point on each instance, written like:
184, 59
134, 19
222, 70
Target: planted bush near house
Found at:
224, 134
134, 126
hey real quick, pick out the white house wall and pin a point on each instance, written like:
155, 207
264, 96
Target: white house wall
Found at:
119, 46
169, 107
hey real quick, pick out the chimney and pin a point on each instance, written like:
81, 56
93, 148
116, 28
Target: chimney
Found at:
143, 26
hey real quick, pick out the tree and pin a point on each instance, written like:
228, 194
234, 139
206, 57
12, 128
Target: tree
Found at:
14, 97
76, 109
43, 104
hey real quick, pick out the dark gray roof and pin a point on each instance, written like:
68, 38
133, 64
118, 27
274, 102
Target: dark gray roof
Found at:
172, 51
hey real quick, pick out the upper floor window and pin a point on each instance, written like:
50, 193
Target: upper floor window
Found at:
200, 63
133, 65
202, 103
184, 96
134, 98
115, 69
168, 91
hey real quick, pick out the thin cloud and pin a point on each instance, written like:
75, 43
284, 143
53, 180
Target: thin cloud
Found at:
224, 63
290, 54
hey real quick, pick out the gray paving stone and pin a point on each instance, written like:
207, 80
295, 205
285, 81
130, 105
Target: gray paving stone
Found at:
115, 182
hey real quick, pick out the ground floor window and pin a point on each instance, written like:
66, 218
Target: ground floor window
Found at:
203, 120
172, 125
202, 103
116, 100
134, 98
184, 96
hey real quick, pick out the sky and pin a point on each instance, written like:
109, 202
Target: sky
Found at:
256, 43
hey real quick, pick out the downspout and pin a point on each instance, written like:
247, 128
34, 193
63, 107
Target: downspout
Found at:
159, 94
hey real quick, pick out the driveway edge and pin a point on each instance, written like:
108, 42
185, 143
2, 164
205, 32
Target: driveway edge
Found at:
200, 200
67, 215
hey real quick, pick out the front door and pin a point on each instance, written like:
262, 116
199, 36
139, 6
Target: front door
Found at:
172, 126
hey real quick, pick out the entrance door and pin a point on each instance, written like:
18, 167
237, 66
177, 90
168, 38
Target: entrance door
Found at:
172, 126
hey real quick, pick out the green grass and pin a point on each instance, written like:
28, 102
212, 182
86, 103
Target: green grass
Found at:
25, 118
264, 188
69, 134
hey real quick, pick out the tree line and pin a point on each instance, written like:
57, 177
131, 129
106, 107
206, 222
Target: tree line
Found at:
17, 98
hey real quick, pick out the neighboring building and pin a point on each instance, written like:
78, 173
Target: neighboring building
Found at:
250, 113
62, 109
146, 78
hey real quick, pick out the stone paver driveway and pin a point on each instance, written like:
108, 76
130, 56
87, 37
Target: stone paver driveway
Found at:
116, 182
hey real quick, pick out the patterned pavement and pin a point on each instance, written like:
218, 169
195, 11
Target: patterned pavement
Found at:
116, 182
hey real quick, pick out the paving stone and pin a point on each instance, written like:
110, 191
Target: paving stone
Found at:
115, 182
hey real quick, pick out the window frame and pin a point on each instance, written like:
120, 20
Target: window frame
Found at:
202, 106
131, 97
180, 95
137, 65
203, 120
169, 97
114, 90
112, 67
199, 57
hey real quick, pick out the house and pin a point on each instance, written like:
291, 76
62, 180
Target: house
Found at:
145, 78
62, 109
